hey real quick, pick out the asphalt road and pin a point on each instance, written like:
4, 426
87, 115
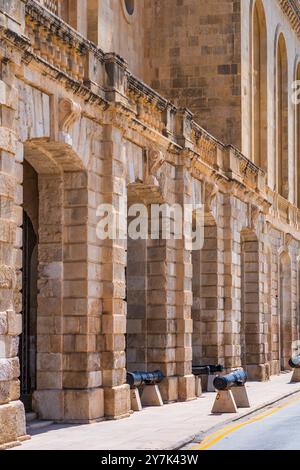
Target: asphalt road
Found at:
277, 428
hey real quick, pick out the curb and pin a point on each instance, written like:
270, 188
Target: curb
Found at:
194, 437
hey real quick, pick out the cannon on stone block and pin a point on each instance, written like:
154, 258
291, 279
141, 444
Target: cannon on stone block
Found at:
207, 369
148, 383
294, 363
137, 379
205, 375
237, 378
232, 393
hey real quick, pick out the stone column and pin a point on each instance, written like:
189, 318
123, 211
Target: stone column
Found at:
161, 315
232, 282
48, 398
12, 415
208, 287
82, 377
69, 379
253, 317
113, 256
184, 295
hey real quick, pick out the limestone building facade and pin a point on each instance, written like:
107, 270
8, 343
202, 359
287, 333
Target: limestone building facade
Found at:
144, 101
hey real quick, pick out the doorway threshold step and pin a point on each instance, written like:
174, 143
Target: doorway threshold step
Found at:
30, 416
37, 425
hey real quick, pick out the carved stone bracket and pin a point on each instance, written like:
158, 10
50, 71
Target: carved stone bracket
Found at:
288, 238
69, 113
210, 193
253, 215
155, 160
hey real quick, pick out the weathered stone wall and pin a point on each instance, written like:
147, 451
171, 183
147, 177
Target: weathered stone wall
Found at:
193, 57
129, 39
96, 134
12, 418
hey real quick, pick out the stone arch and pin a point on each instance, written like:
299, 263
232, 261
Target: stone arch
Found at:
285, 309
251, 335
66, 330
282, 117
259, 58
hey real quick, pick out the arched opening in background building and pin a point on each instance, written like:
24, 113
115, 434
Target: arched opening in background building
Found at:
259, 87
282, 118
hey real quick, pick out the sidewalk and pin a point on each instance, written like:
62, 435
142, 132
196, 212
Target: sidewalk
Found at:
169, 427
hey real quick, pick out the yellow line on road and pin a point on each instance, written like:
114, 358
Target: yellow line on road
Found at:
215, 437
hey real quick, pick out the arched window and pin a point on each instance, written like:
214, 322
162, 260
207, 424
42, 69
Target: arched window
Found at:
282, 119
297, 143
259, 87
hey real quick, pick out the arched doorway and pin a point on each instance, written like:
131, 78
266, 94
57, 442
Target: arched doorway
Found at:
28, 340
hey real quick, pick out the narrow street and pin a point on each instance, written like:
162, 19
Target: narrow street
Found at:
276, 428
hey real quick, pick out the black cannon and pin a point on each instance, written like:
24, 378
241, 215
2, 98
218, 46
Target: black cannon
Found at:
237, 378
136, 379
207, 369
294, 362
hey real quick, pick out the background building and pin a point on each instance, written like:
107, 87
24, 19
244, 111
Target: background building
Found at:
107, 101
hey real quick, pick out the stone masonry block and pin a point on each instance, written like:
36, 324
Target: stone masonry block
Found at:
83, 406
117, 402
186, 388
14, 323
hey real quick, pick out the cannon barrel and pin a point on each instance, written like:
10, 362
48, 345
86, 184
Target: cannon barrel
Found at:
237, 378
207, 369
294, 362
136, 379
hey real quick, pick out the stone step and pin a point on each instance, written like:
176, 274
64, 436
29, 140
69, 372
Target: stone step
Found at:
30, 416
37, 425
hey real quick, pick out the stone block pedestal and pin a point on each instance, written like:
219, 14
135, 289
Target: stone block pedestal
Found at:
117, 402
186, 388
258, 372
169, 389
12, 424
70, 406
